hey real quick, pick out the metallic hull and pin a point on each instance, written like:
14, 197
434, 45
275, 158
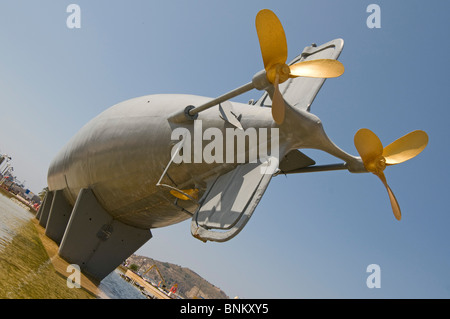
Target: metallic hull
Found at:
122, 153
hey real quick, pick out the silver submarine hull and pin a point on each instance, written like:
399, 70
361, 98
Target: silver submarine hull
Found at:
111, 183
122, 153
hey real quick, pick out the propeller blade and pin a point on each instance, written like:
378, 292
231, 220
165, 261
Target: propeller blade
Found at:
272, 41
320, 68
193, 192
394, 203
368, 145
278, 106
272, 38
405, 147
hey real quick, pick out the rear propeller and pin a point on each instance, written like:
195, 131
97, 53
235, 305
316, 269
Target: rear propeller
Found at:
376, 158
272, 41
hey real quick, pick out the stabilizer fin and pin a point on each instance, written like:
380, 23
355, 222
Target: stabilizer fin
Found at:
231, 199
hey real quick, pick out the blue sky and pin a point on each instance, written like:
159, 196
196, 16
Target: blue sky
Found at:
312, 235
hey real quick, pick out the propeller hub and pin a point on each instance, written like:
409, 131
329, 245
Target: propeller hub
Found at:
377, 165
375, 157
280, 69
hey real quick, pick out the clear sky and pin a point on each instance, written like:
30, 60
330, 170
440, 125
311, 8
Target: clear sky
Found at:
312, 235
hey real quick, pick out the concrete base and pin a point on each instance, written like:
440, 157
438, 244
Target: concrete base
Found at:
44, 210
95, 241
58, 218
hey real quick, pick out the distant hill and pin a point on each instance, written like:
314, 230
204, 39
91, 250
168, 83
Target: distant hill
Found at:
190, 284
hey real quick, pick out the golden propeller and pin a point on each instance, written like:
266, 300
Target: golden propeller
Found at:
376, 158
272, 41
192, 192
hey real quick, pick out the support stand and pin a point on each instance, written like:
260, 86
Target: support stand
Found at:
95, 241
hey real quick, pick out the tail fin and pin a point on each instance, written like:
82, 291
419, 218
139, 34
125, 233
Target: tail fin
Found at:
300, 92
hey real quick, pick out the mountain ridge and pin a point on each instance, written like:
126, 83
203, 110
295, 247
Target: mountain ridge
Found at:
190, 284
